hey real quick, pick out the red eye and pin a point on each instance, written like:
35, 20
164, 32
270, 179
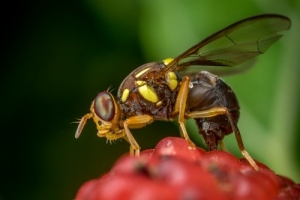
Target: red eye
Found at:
104, 106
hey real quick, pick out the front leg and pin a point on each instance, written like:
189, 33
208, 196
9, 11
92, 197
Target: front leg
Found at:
138, 121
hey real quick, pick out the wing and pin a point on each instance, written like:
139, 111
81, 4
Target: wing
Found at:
234, 45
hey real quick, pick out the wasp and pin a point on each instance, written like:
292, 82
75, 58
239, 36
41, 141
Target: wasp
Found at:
181, 88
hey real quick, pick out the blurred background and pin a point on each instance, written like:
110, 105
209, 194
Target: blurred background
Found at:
57, 55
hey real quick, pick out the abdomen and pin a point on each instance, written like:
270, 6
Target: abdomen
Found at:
209, 91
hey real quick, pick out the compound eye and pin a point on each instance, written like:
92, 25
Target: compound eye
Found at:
104, 106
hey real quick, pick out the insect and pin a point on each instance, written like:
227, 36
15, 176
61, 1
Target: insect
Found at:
180, 88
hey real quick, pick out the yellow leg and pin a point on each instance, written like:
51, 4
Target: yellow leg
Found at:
180, 108
82, 123
135, 122
222, 145
224, 111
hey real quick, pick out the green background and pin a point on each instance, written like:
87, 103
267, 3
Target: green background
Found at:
58, 55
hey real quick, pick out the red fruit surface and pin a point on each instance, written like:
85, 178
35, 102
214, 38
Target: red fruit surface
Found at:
245, 165
188, 179
177, 147
221, 159
130, 187
175, 171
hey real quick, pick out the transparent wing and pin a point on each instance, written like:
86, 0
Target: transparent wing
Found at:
218, 70
234, 45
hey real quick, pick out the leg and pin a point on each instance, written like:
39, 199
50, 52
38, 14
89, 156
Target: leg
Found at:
180, 108
224, 111
222, 145
82, 123
135, 122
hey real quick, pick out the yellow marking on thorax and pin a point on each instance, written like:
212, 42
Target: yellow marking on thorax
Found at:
159, 103
140, 83
125, 95
147, 92
172, 80
142, 72
167, 61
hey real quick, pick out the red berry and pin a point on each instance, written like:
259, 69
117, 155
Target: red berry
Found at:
177, 147
87, 189
288, 189
245, 165
175, 171
188, 179
285, 181
147, 153
220, 159
129, 187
